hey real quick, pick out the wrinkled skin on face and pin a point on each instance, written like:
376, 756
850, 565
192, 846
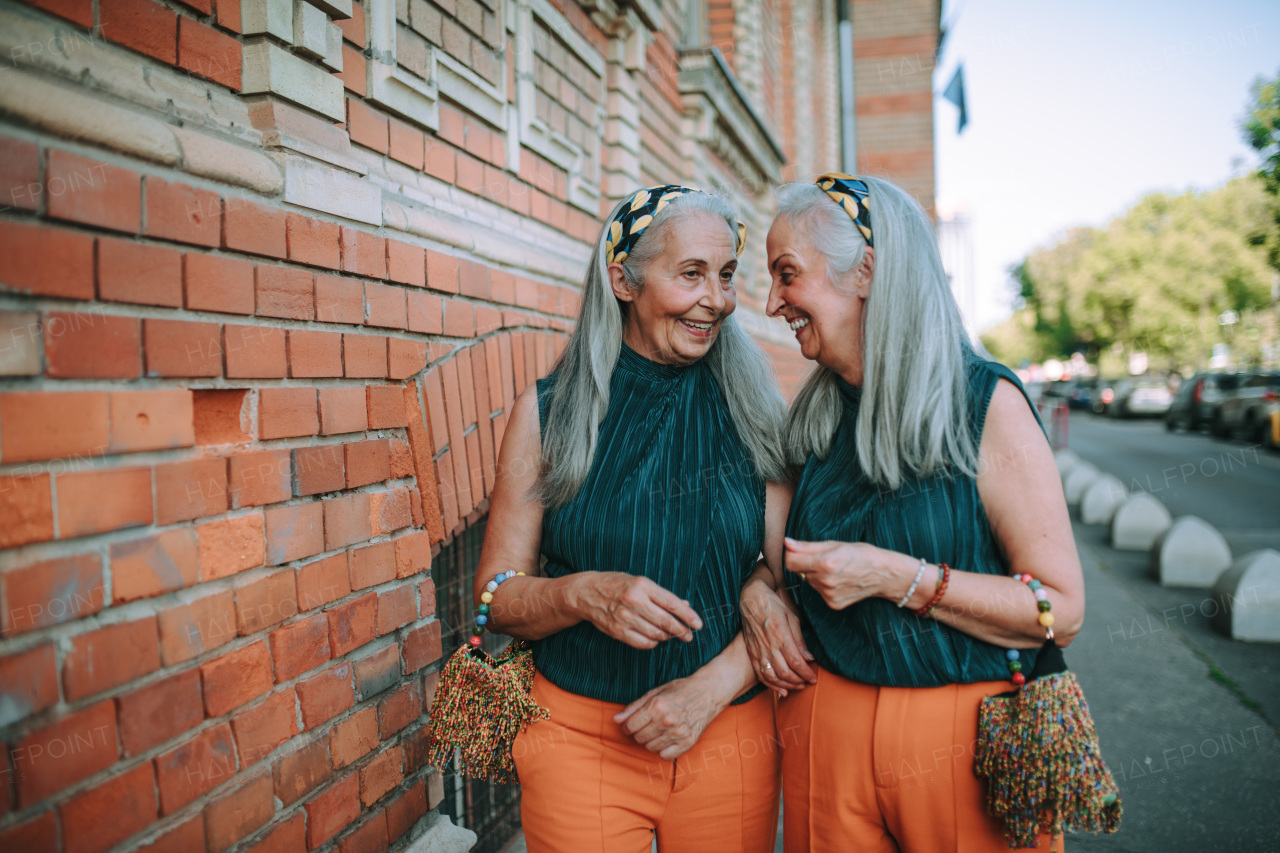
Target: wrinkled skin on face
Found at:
687, 294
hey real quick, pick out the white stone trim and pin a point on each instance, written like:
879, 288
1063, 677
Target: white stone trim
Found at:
408, 95
532, 131
465, 86
392, 86
317, 186
270, 68
274, 17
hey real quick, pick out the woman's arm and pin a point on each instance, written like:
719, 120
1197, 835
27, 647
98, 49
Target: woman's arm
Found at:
632, 609
1022, 494
770, 619
670, 718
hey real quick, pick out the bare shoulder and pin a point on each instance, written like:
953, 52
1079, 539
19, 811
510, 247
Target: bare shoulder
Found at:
523, 436
1011, 426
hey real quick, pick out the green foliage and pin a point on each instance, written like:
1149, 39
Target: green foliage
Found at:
1261, 130
1155, 279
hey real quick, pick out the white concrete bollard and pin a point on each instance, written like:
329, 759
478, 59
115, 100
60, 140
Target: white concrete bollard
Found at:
442, 837
1248, 597
1065, 460
1137, 523
1081, 475
1190, 553
1101, 500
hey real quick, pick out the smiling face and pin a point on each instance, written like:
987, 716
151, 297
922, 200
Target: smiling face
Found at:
826, 319
688, 291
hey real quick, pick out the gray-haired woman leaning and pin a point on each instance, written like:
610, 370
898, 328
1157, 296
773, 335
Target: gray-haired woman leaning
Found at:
924, 482
638, 469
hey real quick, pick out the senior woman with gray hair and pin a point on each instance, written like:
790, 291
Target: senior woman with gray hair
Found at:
924, 481
638, 470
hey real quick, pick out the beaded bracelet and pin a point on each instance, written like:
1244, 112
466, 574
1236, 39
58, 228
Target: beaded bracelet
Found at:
915, 583
944, 578
1046, 619
482, 610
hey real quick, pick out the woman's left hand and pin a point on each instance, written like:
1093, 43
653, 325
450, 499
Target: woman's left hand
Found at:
843, 573
670, 718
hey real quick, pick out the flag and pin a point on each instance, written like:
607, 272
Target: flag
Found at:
955, 94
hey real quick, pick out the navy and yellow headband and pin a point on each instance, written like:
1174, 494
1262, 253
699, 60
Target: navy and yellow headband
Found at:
637, 213
850, 192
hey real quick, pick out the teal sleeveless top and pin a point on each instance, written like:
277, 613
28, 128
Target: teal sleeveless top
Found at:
939, 518
672, 495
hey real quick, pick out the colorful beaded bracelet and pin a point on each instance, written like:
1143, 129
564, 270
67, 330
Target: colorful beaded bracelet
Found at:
482, 610
1046, 619
944, 578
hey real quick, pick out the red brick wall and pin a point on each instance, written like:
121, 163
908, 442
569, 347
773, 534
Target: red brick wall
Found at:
228, 449
894, 47
231, 436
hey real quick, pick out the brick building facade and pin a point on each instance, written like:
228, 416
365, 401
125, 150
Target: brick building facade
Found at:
271, 275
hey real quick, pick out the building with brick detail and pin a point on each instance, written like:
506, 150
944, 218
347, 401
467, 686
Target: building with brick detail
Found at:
272, 273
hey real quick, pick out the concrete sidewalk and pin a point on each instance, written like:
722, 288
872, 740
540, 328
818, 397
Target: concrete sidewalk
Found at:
1187, 718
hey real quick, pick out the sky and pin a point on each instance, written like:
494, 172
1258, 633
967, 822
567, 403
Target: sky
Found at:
1079, 109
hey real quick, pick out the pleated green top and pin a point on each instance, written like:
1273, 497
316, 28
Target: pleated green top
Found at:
672, 495
939, 518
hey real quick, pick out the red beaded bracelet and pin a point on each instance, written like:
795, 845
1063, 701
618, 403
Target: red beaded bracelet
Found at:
944, 578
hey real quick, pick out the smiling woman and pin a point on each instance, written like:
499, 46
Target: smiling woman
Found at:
630, 501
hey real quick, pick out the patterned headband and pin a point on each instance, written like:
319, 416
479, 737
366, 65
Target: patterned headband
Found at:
637, 213
850, 192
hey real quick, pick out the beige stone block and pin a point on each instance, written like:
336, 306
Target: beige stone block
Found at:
332, 47
426, 20
19, 343
319, 187
220, 160
72, 114
267, 16
339, 10
310, 29
268, 68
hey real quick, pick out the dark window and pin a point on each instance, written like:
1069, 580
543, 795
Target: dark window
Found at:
491, 811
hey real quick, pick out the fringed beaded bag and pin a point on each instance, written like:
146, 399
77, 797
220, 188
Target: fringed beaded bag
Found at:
1039, 753
482, 703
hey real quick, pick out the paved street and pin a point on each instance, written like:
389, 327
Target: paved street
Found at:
1234, 485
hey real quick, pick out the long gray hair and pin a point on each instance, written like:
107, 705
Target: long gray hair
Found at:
580, 397
913, 418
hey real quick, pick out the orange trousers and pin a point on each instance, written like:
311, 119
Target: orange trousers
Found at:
881, 769
588, 787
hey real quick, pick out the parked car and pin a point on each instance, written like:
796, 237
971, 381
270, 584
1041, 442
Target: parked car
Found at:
1060, 389
1140, 396
1198, 399
1104, 395
1083, 394
1248, 408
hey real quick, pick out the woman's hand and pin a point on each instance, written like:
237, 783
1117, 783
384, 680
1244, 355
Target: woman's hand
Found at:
843, 573
633, 609
670, 718
771, 631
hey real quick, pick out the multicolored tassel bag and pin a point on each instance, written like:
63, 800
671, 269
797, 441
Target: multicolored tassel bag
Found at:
481, 704
1038, 750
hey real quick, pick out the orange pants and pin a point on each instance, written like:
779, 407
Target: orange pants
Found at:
880, 769
588, 787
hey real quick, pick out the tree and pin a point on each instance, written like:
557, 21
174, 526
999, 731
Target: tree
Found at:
1261, 128
1155, 279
